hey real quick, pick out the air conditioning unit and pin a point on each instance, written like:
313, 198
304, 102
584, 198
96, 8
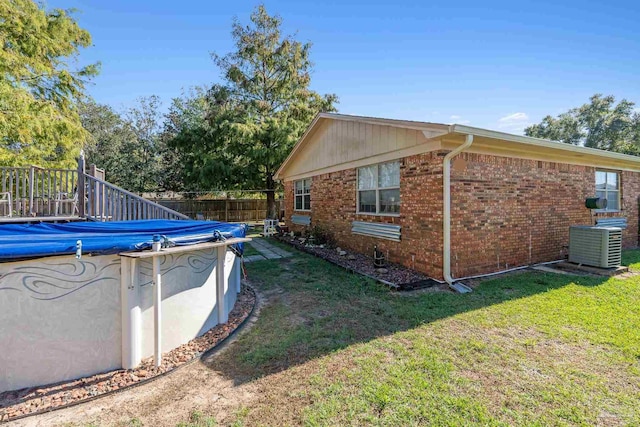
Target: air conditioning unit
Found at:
595, 246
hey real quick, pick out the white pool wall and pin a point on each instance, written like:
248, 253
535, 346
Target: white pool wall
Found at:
61, 318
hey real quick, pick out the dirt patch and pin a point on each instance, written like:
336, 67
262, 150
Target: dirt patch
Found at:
17, 403
164, 402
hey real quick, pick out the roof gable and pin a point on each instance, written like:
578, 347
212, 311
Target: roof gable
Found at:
333, 140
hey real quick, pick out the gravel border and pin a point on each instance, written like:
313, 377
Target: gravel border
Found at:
16, 404
395, 276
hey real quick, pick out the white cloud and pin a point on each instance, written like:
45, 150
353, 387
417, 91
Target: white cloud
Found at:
454, 117
514, 123
515, 117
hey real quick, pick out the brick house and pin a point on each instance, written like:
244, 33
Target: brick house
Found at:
451, 201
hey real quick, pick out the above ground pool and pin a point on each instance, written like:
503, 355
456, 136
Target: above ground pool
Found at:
80, 298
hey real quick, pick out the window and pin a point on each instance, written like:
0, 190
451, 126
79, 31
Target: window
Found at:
608, 187
302, 190
379, 188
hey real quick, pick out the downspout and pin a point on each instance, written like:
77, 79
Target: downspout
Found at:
446, 211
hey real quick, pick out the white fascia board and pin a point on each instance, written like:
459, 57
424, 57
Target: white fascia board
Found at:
539, 142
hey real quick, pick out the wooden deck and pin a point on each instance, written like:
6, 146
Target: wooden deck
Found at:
34, 194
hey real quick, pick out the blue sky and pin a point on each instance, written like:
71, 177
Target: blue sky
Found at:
492, 64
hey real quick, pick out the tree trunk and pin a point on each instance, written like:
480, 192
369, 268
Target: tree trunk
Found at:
271, 198
271, 205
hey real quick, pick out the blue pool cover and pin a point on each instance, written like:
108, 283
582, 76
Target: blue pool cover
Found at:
19, 241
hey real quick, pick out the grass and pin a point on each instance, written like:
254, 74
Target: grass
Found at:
529, 348
197, 419
250, 250
631, 259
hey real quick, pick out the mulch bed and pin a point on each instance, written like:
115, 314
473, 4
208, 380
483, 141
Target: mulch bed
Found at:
33, 400
395, 276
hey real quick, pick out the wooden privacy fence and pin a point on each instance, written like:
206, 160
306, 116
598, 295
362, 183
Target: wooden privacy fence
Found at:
30, 191
228, 210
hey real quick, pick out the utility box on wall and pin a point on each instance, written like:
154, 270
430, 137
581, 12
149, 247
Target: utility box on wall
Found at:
595, 246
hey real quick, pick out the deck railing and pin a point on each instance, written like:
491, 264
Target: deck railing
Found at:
107, 202
38, 192
30, 191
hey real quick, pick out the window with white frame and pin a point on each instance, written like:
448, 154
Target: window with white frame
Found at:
379, 188
608, 187
302, 190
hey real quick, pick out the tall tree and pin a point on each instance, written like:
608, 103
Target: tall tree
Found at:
601, 123
264, 105
39, 121
143, 151
185, 131
131, 146
109, 134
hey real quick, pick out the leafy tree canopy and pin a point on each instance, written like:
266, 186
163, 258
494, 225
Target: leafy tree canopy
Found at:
601, 123
255, 117
184, 129
109, 134
131, 146
39, 121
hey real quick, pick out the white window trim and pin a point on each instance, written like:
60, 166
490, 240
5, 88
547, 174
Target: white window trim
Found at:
377, 190
295, 196
619, 191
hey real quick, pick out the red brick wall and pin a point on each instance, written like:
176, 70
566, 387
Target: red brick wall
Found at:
288, 205
630, 182
505, 212
508, 212
333, 204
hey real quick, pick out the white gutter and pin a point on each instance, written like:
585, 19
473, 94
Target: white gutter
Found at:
446, 211
539, 142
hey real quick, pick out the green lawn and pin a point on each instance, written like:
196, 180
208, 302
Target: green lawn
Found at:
250, 250
631, 259
332, 348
